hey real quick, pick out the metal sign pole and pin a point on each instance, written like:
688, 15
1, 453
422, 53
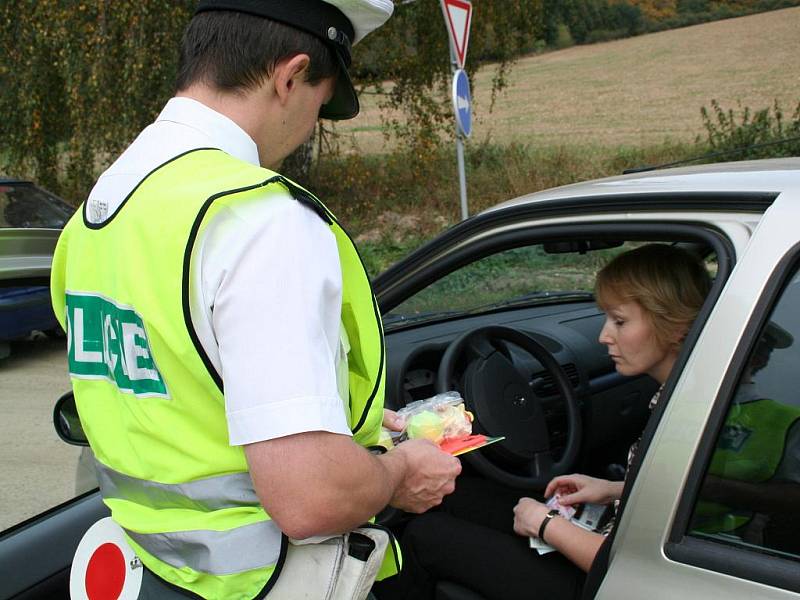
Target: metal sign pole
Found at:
462, 177
457, 15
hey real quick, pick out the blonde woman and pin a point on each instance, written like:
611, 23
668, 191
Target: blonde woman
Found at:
650, 297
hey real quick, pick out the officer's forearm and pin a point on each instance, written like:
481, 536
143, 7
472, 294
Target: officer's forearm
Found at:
768, 496
320, 483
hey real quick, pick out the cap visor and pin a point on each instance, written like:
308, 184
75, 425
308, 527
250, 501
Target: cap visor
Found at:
344, 103
778, 336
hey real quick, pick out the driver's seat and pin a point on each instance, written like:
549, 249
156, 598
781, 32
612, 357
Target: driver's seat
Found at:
446, 590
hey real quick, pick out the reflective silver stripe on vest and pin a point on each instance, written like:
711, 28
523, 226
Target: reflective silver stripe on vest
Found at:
206, 551
213, 493
253, 546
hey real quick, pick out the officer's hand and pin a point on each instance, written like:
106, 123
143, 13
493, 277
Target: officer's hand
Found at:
430, 475
392, 421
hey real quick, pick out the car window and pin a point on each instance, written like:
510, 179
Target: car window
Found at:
25, 205
538, 273
751, 488
37, 469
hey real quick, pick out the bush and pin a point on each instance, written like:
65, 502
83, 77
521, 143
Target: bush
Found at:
360, 188
605, 35
590, 20
391, 209
563, 37
745, 134
695, 12
692, 6
79, 80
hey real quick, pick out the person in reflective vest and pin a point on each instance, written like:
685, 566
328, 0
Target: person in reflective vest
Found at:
756, 457
225, 347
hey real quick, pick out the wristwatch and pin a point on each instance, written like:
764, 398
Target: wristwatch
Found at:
547, 518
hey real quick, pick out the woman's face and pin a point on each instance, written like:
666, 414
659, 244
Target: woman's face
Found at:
632, 343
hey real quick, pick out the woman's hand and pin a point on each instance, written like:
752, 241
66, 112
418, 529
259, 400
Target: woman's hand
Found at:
392, 421
577, 544
528, 516
577, 489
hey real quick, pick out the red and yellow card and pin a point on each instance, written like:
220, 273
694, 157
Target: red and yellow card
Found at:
457, 446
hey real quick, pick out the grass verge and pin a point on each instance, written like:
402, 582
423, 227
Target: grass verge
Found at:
393, 203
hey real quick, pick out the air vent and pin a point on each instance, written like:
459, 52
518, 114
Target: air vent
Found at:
543, 384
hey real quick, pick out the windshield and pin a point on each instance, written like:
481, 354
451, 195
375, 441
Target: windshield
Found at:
511, 278
24, 205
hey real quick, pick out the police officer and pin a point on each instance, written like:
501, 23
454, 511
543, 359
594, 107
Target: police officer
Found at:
225, 347
754, 476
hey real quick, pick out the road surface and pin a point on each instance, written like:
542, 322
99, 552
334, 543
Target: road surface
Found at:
37, 470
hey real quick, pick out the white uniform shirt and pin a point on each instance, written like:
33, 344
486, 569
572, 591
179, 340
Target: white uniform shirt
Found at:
265, 296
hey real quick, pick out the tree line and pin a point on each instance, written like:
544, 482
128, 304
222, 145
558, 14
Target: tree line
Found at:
79, 79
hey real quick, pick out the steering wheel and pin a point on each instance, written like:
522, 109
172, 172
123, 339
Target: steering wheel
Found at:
503, 403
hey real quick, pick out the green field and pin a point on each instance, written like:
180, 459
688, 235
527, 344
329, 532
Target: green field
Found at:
636, 91
569, 115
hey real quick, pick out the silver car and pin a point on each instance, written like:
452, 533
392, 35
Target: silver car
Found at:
519, 276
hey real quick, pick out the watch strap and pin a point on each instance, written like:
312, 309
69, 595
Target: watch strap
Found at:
543, 525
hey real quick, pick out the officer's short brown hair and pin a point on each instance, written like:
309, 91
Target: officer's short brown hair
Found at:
234, 51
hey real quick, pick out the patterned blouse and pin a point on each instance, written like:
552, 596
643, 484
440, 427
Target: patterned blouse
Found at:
631, 455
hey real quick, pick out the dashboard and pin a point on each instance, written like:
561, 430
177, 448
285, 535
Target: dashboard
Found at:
613, 407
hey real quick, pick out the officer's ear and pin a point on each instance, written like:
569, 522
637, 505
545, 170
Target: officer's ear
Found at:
288, 74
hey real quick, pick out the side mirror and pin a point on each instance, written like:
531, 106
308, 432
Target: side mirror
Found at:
67, 422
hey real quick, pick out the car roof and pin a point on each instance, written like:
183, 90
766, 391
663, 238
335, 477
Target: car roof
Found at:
770, 175
8, 180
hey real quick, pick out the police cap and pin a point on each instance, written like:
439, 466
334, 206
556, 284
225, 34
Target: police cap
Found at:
338, 23
776, 336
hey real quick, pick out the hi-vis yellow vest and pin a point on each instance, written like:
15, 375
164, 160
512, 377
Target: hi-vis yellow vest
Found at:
750, 448
150, 401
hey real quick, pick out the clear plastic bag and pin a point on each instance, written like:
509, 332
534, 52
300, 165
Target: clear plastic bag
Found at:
438, 418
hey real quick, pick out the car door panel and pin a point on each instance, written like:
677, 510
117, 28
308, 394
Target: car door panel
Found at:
35, 557
667, 474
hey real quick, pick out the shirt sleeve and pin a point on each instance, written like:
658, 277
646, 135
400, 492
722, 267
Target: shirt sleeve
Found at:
271, 280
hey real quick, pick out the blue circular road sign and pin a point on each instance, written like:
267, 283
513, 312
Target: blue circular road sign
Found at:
462, 102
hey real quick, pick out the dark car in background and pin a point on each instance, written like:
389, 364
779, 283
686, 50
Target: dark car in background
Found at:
31, 220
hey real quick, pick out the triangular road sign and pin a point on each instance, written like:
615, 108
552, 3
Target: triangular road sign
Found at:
458, 16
